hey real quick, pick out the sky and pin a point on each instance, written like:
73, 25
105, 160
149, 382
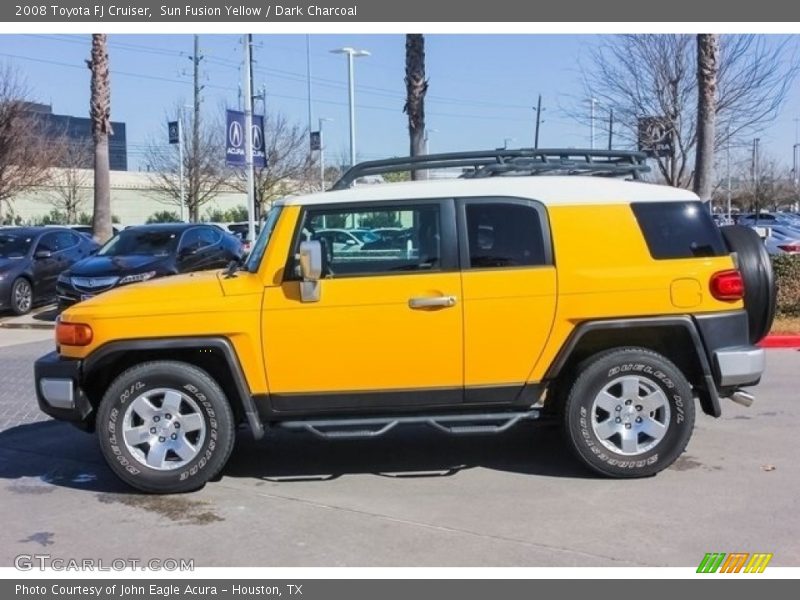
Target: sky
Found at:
482, 88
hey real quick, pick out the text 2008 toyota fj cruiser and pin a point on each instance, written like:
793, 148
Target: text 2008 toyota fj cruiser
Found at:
468, 304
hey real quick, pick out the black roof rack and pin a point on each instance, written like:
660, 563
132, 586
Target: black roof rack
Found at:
521, 161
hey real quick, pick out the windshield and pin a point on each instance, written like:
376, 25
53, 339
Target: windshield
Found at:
14, 246
364, 236
131, 242
257, 253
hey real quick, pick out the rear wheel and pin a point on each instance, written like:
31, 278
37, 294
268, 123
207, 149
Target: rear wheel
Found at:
630, 413
165, 427
759, 281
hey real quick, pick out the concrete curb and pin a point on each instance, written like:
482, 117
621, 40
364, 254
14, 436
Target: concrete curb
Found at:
780, 341
42, 325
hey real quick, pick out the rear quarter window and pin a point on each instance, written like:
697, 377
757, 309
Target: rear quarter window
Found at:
678, 229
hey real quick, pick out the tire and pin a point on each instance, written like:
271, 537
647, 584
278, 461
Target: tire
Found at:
633, 383
759, 281
165, 427
21, 296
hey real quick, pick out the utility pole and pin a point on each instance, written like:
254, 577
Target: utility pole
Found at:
728, 168
247, 84
308, 82
538, 110
755, 177
251, 93
610, 128
196, 58
180, 161
592, 102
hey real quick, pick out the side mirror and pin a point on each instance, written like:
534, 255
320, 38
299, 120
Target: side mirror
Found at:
350, 242
43, 254
186, 251
310, 259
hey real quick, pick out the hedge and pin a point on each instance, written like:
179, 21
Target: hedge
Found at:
787, 276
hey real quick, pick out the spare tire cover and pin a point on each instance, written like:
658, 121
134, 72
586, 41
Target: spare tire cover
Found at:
759, 281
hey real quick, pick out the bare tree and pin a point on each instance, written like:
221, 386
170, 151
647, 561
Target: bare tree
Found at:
25, 155
100, 113
707, 69
416, 88
290, 169
70, 183
652, 75
203, 160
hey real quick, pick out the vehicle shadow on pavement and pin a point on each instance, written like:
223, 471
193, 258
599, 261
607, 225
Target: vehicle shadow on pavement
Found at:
34, 456
413, 451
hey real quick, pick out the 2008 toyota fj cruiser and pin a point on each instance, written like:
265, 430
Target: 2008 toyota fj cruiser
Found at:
468, 304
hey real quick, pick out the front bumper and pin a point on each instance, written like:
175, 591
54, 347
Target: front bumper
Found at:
58, 390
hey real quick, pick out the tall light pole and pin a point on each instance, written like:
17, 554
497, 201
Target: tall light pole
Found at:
351, 53
506, 140
427, 137
592, 102
180, 160
322, 153
247, 84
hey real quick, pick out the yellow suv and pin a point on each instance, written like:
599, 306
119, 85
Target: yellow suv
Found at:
467, 304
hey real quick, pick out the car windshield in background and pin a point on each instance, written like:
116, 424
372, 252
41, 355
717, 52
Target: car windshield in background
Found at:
364, 236
150, 243
14, 246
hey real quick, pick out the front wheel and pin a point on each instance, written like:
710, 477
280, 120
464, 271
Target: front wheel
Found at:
630, 413
165, 427
21, 296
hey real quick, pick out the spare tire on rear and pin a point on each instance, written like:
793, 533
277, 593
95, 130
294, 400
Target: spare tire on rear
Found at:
759, 281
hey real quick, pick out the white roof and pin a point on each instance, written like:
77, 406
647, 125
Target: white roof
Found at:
550, 190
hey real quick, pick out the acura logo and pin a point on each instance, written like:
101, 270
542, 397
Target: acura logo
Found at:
258, 138
235, 134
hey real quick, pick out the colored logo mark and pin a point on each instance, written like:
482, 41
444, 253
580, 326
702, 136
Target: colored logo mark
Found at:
735, 562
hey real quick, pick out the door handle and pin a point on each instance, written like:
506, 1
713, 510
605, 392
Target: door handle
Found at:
432, 301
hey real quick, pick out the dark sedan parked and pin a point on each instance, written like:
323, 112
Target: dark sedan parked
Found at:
31, 259
144, 252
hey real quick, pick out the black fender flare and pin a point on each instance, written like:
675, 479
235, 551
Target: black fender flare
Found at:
709, 396
96, 359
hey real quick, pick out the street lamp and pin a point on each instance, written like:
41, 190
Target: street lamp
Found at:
351, 53
322, 154
506, 140
427, 138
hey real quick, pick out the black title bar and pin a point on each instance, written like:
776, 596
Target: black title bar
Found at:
344, 11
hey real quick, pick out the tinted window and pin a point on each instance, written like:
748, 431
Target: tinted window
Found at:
678, 229
48, 242
353, 249
65, 240
504, 235
209, 236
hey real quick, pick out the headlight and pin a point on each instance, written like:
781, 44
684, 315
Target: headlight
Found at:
136, 278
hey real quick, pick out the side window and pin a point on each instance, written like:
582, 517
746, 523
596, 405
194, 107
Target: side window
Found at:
504, 235
191, 240
209, 237
66, 240
389, 240
48, 242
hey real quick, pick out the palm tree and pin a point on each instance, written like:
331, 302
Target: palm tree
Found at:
100, 113
416, 87
707, 69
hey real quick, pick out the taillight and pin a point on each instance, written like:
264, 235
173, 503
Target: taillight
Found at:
727, 285
73, 334
791, 248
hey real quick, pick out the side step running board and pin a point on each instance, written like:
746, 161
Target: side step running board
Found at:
347, 428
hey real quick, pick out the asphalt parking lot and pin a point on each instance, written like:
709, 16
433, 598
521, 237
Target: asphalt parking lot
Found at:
413, 498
